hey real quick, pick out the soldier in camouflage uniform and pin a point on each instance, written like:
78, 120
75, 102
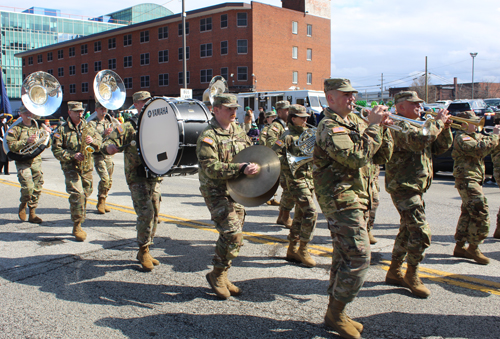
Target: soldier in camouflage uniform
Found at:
300, 185
375, 203
103, 163
67, 148
469, 150
145, 191
270, 116
221, 140
408, 176
495, 157
345, 150
274, 132
29, 167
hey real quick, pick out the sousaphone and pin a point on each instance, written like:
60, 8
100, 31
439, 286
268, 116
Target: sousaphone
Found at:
218, 85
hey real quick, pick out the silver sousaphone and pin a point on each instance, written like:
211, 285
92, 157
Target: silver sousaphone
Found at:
218, 85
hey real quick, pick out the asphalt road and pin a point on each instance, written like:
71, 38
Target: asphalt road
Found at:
54, 287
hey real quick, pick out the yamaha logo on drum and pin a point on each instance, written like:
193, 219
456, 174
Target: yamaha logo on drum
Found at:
157, 111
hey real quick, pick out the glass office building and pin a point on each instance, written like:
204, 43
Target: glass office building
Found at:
140, 13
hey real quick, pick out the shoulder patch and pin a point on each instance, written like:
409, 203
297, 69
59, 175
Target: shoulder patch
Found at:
11, 131
264, 132
119, 128
275, 129
466, 138
208, 140
338, 129
57, 136
279, 143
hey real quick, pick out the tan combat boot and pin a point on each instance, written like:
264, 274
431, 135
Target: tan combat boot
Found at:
496, 235
460, 251
286, 220
33, 218
279, 221
358, 326
337, 319
394, 275
153, 260
217, 281
373, 240
304, 255
145, 258
473, 252
101, 203
22, 211
79, 234
233, 289
414, 283
291, 253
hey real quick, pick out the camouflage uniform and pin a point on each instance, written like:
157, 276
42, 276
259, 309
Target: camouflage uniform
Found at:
376, 197
263, 135
469, 149
65, 144
408, 176
343, 157
215, 150
145, 192
103, 163
495, 157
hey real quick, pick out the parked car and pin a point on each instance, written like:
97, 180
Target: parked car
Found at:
477, 105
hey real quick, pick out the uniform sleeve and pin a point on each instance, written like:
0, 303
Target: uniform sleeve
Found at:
96, 139
60, 153
414, 139
443, 142
207, 150
15, 145
273, 134
495, 158
384, 153
115, 138
468, 146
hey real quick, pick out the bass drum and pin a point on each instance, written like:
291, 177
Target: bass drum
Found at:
167, 132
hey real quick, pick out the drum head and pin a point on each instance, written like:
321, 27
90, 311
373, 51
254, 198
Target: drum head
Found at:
158, 136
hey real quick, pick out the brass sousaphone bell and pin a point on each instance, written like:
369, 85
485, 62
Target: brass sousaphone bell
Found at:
218, 85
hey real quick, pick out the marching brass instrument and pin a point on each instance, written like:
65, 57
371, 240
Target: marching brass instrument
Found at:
218, 85
42, 138
86, 150
305, 143
479, 124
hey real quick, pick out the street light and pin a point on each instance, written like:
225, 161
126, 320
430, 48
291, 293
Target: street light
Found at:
473, 55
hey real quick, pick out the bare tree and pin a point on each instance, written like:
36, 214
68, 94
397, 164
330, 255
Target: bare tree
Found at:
418, 86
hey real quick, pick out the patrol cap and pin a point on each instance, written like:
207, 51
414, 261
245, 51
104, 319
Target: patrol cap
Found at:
75, 106
270, 114
411, 96
470, 115
284, 104
340, 84
23, 109
141, 95
298, 111
226, 99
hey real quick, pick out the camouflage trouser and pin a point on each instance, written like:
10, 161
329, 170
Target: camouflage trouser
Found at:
79, 188
30, 177
146, 197
375, 203
228, 217
414, 232
496, 175
104, 167
287, 201
474, 222
304, 219
351, 253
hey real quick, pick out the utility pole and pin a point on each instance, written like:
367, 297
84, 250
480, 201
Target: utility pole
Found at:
473, 55
184, 62
426, 83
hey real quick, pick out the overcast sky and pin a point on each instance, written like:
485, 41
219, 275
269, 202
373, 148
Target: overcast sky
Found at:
371, 37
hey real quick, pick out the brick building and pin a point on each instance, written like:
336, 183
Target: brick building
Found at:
256, 47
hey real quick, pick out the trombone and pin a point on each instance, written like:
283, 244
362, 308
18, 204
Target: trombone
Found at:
424, 125
479, 124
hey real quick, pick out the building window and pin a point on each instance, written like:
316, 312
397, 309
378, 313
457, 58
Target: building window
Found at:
49, 56
309, 78
60, 71
181, 78
97, 46
163, 56
60, 54
223, 21
62, 89
187, 53
295, 77
30, 60
127, 61
85, 87
71, 52
144, 59
242, 46
127, 40
40, 59
180, 28
85, 68
309, 54
112, 63
242, 19
242, 73
72, 88
144, 81
97, 66
50, 71
84, 49
223, 47
295, 28
309, 30
295, 52
72, 70
205, 24
112, 43
206, 75
205, 50
162, 33
144, 36
127, 82
163, 79
224, 72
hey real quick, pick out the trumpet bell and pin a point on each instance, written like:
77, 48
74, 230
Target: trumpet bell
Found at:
41, 93
109, 89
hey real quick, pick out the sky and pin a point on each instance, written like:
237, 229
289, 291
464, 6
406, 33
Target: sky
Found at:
375, 37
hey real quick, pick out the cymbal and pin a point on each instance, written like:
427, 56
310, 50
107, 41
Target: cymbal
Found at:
256, 185
252, 202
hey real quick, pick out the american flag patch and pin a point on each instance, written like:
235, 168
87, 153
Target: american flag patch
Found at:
466, 138
208, 140
279, 143
119, 129
275, 129
338, 129
57, 136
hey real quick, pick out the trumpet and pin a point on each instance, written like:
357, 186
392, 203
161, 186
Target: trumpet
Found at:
460, 121
424, 125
